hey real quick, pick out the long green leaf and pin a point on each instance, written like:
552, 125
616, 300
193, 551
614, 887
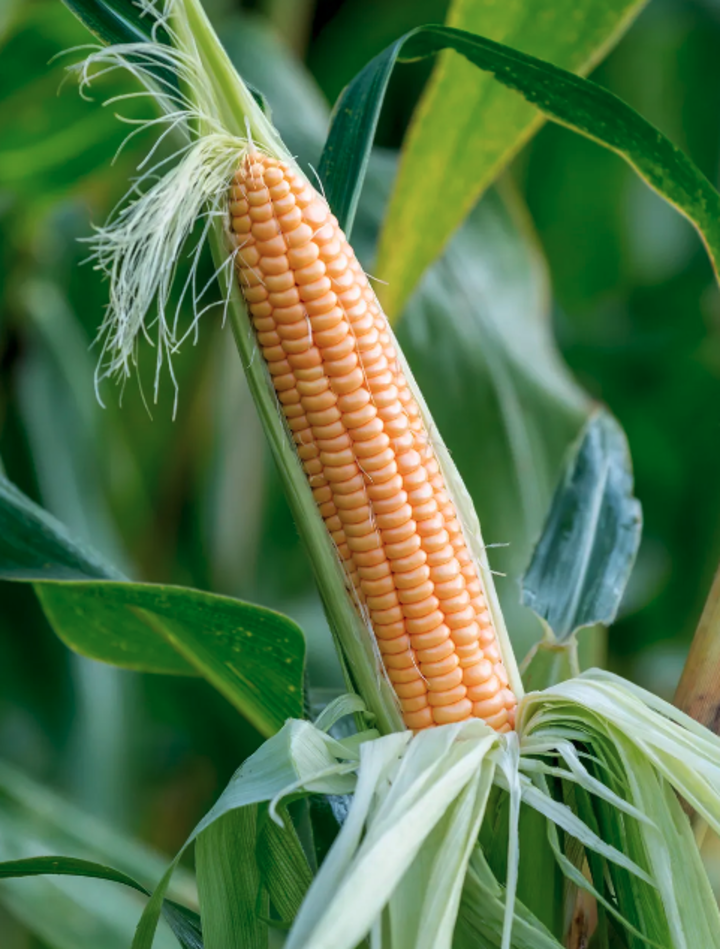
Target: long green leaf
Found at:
583, 559
44, 820
112, 21
35, 546
183, 922
66, 866
467, 127
563, 97
253, 656
69, 913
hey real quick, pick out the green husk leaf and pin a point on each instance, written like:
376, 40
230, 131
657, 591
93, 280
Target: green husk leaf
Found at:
232, 907
419, 801
284, 869
298, 759
363, 871
651, 752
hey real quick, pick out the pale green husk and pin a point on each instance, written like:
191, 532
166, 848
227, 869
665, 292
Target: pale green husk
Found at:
401, 860
406, 870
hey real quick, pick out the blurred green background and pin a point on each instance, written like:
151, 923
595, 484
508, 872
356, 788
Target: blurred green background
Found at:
194, 500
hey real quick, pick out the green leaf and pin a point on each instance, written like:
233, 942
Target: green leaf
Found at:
183, 922
583, 560
467, 127
112, 21
66, 866
39, 817
253, 656
565, 98
250, 654
69, 913
35, 546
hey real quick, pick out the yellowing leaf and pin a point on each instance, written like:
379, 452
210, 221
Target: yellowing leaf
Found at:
467, 126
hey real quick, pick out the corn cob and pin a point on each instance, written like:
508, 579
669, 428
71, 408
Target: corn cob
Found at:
363, 444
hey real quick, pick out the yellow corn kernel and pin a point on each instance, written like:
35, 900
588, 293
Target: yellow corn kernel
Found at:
365, 449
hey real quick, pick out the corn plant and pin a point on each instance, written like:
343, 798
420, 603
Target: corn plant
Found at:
467, 800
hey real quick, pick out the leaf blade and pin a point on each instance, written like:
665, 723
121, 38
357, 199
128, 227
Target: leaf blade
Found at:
582, 562
184, 923
254, 656
563, 97
467, 127
112, 21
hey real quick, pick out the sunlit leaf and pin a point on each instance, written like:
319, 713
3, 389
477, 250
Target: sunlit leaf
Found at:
565, 98
467, 126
